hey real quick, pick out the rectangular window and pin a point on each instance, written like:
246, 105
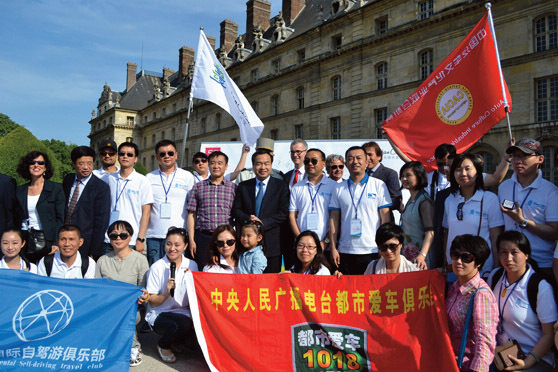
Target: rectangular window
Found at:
254, 75
164, 112
300, 98
426, 65
154, 115
336, 87
546, 36
335, 124
381, 25
426, 9
174, 107
380, 115
273, 134
153, 140
130, 121
298, 132
301, 55
336, 42
276, 66
275, 105
547, 98
145, 119
381, 75
255, 106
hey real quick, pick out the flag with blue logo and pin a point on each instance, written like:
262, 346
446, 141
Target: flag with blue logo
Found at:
50, 324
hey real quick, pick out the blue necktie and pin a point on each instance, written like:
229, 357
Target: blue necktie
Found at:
259, 198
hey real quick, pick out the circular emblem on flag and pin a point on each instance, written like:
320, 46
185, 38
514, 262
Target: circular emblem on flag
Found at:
454, 104
42, 315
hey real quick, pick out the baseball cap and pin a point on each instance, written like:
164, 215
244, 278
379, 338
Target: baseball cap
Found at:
527, 146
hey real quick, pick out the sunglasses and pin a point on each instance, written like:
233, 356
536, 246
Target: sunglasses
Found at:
33, 162
459, 213
307, 161
176, 230
465, 257
108, 153
200, 160
335, 167
122, 235
392, 247
128, 154
162, 154
228, 242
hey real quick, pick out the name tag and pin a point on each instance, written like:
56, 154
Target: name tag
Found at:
356, 228
312, 221
165, 211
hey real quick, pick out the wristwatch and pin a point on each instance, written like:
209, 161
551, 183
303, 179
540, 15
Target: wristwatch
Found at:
327, 241
523, 223
141, 240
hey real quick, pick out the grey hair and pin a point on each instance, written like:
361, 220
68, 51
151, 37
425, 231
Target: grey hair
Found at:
300, 140
333, 157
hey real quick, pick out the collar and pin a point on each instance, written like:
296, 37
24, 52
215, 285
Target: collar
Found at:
265, 182
58, 260
83, 180
536, 184
470, 286
376, 167
477, 196
362, 182
200, 176
322, 181
183, 264
301, 170
131, 176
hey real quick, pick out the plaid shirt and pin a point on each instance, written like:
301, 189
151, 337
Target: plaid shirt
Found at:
212, 203
481, 339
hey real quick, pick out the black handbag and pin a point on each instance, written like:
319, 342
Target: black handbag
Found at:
36, 243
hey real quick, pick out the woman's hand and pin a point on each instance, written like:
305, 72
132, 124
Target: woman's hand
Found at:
519, 364
170, 285
420, 260
144, 296
338, 274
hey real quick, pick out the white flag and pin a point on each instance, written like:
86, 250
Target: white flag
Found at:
212, 83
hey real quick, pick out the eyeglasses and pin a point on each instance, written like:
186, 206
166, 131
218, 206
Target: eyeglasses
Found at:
314, 161
33, 162
309, 248
82, 164
392, 247
200, 160
228, 242
297, 152
162, 154
521, 156
459, 213
465, 257
122, 235
108, 153
335, 167
128, 154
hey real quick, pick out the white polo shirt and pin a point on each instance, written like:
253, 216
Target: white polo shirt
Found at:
60, 270
539, 203
198, 177
131, 193
172, 190
491, 217
23, 266
307, 198
101, 172
374, 195
157, 279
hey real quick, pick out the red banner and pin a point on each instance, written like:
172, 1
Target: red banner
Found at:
457, 104
294, 322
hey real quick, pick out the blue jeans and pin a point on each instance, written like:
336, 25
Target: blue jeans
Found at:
173, 327
155, 249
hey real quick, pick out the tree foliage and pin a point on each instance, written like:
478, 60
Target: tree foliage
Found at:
62, 152
140, 168
6, 125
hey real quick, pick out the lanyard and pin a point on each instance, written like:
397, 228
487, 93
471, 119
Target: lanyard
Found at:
313, 199
524, 200
163, 183
504, 279
353, 198
118, 195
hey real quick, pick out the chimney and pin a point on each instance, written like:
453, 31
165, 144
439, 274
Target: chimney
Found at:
257, 14
291, 9
211, 40
185, 59
131, 71
229, 33
167, 72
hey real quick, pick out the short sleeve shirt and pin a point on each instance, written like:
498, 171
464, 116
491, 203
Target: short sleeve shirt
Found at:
62, 271
212, 203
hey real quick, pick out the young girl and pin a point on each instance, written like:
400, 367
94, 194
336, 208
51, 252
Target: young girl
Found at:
12, 243
252, 260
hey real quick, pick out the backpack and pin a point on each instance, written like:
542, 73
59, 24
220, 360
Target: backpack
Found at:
532, 286
49, 260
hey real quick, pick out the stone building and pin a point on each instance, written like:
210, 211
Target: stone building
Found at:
335, 69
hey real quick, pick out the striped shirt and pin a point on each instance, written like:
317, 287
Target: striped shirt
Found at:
481, 339
212, 203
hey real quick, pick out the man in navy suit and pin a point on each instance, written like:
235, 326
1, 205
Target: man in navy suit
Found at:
7, 197
376, 169
87, 202
264, 199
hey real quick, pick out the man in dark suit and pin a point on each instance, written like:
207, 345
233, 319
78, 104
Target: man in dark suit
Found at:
87, 202
297, 152
376, 169
7, 198
264, 199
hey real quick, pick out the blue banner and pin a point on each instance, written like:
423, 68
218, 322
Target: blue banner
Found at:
49, 324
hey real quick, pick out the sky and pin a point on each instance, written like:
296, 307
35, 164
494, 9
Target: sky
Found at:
56, 55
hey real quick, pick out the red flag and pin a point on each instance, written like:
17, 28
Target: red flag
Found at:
457, 104
311, 323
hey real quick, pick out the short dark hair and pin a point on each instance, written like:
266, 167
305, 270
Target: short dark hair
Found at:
472, 244
319, 258
479, 181
199, 155
376, 147
388, 231
352, 148
81, 151
68, 227
259, 152
213, 252
121, 224
23, 166
163, 143
419, 171
218, 153
317, 150
178, 231
443, 150
129, 144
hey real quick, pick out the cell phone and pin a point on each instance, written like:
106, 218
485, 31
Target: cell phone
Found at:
509, 205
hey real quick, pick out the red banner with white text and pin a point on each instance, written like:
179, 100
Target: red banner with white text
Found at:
457, 104
294, 322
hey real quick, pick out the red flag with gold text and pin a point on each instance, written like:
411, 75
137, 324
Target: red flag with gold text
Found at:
294, 322
457, 104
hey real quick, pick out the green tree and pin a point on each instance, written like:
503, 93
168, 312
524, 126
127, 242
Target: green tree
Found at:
62, 152
140, 168
6, 125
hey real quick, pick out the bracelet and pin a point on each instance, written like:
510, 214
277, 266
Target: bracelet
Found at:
535, 356
423, 254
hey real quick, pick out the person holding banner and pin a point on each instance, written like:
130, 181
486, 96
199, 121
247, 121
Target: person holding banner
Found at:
222, 256
310, 255
168, 309
390, 238
471, 306
13, 257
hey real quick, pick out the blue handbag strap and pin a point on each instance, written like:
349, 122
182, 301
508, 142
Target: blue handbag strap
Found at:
466, 328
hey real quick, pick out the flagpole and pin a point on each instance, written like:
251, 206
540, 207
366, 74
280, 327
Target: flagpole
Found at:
493, 32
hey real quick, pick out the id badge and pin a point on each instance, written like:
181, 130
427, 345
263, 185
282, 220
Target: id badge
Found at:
356, 227
114, 216
165, 211
312, 221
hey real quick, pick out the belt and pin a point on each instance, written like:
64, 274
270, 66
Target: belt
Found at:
206, 232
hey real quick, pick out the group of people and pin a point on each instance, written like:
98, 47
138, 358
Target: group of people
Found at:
251, 221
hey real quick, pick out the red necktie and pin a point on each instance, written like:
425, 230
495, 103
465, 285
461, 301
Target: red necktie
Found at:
295, 180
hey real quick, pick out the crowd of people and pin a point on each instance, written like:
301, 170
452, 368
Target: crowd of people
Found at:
496, 250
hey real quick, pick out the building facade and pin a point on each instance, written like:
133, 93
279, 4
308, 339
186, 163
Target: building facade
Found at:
335, 69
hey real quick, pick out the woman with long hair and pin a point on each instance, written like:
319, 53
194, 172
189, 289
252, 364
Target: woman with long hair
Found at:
310, 257
222, 256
